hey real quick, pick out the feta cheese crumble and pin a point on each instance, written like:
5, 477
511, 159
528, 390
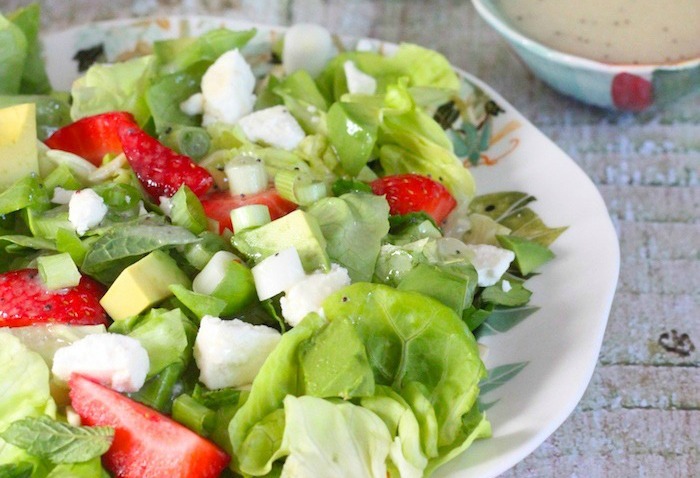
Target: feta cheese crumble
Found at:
273, 126
308, 294
359, 81
116, 361
490, 262
86, 209
227, 89
229, 353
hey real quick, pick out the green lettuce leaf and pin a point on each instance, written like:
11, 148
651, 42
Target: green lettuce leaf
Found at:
13, 55
316, 429
24, 393
353, 225
114, 87
167, 336
412, 338
34, 78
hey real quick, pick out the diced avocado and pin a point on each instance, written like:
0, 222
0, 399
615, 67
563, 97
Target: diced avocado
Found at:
18, 154
142, 285
297, 229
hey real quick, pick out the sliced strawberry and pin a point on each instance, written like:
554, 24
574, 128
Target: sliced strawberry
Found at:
407, 193
161, 170
92, 137
146, 443
630, 92
25, 300
218, 205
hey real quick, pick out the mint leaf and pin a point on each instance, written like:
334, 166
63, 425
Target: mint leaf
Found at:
57, 441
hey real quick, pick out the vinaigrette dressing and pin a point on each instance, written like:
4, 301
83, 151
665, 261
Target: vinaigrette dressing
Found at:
611, 31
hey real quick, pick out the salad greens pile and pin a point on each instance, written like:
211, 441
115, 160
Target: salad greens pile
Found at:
384, 381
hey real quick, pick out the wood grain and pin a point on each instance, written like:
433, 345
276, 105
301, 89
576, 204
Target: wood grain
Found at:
640, 416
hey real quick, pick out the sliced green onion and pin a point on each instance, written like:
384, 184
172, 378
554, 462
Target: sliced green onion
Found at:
187, 211
246, 175
81, 167
299, 187
188, 140
199, 253
158, 391
252, 215
62, 176
193, 415
58, 271
108, 169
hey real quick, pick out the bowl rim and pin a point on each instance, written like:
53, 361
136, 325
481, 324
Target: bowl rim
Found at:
487, 10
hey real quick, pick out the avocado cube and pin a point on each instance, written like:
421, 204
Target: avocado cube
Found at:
142, 285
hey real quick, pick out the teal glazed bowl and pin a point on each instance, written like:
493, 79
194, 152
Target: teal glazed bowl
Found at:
613, 86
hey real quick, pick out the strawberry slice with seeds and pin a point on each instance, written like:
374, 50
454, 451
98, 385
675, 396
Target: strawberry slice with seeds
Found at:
161, 170
25, 300
146, 443
218, 205
407, 193
92, 137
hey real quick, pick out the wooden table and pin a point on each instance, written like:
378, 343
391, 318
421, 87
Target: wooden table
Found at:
641, 414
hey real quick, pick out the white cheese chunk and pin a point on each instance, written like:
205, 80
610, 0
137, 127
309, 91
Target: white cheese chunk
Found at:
227, 89
86, 209
490, 262
229, 353
359, 81
273, 126
277, 273
308, 294
114, 360
307, 47
194, 105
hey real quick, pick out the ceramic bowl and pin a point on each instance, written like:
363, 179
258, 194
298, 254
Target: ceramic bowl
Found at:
612, 86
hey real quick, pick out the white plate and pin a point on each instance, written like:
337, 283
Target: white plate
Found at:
560, 342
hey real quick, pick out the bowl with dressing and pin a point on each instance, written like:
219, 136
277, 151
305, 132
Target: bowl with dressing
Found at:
617, 54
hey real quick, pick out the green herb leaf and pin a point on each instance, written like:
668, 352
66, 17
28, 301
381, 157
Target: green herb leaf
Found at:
131, 242
500, 375
503, 319
57, 441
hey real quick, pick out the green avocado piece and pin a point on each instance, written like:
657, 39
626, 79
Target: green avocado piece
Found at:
297, 229
142, 285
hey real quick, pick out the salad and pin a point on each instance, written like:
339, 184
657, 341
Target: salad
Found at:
227, 259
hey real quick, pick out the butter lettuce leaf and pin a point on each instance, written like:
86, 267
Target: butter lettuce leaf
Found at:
353, 225
24, 393
13, 54
339, 439
412, 338
114, 87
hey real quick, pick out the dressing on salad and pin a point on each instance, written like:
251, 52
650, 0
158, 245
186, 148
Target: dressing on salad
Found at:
282, 264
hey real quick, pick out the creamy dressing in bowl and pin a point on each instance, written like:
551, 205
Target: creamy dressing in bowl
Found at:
611, 31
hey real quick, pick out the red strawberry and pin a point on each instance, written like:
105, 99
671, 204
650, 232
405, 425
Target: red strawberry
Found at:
24, 300
407, 193
630, 92
161, 170
92, 137
218, 205
146, 443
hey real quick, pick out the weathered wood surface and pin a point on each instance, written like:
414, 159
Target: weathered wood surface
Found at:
640, 417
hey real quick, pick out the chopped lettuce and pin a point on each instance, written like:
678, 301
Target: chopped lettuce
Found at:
24, 392
114, 87
353, 225
13, 54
